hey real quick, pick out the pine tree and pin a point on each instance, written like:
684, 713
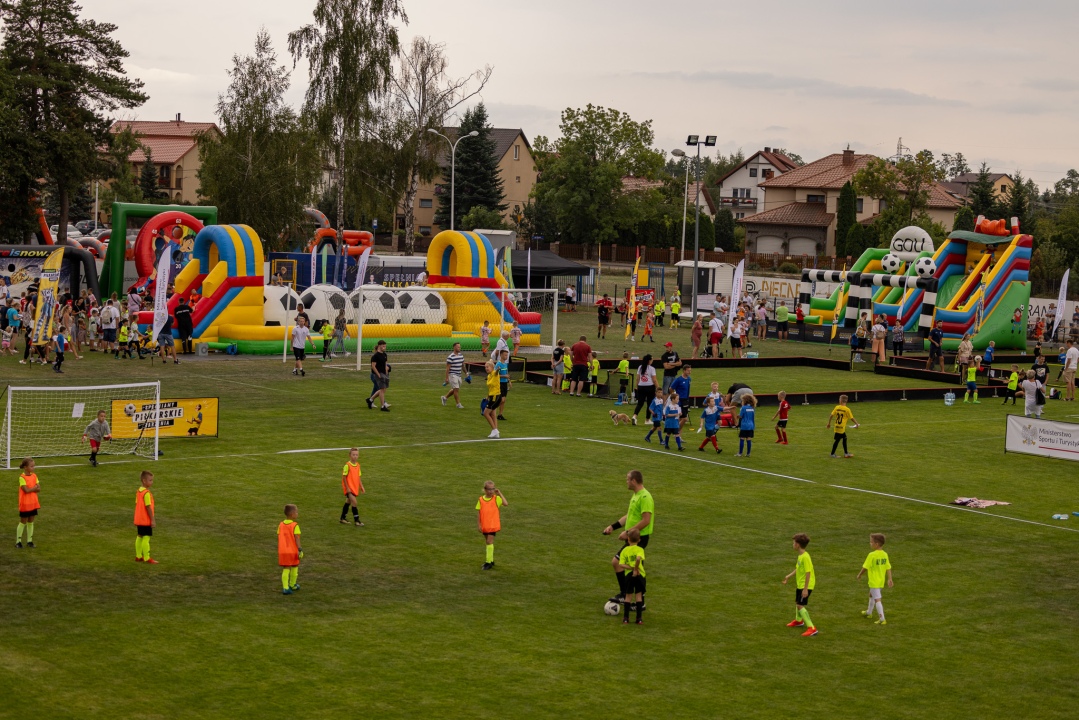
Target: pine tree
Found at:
982, 198
724, 229
477, 180
148, 178
964, 219
1017, 202
853, 244
846, 212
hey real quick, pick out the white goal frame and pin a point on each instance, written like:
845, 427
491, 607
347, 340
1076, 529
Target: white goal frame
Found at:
12, 389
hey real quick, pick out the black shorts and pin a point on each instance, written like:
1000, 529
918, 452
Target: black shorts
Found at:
781, 326
635, 584
799, 600
28, 513
736, 342
781, 423
144, 530
839, 436
934, 352
493, 401
109, 335
503, 389
709, 433
579, 373
1009, 393
685, 408
299, 353
491, 534
643, 544
745, 434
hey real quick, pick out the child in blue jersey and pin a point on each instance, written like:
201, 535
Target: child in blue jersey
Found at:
710, 422
672, 421
655, 409
987, 358
747, 421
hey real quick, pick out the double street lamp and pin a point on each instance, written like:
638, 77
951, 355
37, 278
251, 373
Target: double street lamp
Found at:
453, 160
695, 140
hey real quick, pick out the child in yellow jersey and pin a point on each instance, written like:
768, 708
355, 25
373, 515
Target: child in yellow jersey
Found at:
841, 415
567, 369
289, 550
623, 378
490, 518
631, 562
971, 372
327, 340
805, 581
676, 307
29, 490
593, 375
352, 486
494, 397
878, 567
1013, 385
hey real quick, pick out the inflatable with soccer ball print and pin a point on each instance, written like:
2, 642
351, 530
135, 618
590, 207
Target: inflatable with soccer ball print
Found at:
925, 267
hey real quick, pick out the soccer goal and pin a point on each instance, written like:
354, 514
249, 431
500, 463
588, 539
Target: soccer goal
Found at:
419, 319
50, 421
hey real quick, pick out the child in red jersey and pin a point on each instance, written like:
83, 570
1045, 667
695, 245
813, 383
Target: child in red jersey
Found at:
781, 413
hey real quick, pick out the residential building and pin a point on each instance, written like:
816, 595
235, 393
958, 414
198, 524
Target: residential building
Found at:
960, 184
174, 151
799, 215
516, 167
740, 190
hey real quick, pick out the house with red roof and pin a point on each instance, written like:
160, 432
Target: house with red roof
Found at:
173, 147
739, 189
799, 215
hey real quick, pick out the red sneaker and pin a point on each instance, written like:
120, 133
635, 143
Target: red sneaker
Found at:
138, 559
795, 623
783, 443
779, 442
151, 561
810, 632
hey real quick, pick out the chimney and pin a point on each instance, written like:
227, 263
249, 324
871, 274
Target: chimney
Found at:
767, 149
177, 117
848, 156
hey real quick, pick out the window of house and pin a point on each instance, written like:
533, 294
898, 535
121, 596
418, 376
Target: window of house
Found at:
815, 199
518, 178
739, 216
753, 172
426, 203
883, 205
164, 174
1003, 189
516, 152
859, 201
425, 230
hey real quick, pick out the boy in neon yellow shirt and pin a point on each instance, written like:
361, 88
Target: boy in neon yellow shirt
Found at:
593, 375
806, 580
623, 378
327, 340
878, 567
676, 307
631, 562
1013, 385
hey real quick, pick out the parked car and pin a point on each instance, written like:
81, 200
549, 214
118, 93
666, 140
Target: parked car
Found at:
84, 226
72, 231
97, 233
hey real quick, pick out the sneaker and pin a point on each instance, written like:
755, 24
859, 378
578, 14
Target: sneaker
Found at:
177, 362
344, 521
286, 591
357, 523
303, 373
881, 622
297, 372
138, 559
648, 438
701, 448
779, 442
783, 443
22, 362
867, 614
975, 402
486, 566
501, 418
740, 455
93, 463
640, 622
18, 544
443, 401
460, 406
625, 621
150, 561
634, 419
30, 544
370, 405
385, 408
810, 632
719, 450
295, 587
849, 455
832, 456
795, 623
495, 435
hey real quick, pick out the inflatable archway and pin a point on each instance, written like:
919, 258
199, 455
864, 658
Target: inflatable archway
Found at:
356, 241
145, 250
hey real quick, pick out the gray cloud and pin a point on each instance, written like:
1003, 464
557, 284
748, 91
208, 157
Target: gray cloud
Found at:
1053, 84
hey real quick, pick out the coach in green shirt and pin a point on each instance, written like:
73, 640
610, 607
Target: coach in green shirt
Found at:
782, 317
639, 516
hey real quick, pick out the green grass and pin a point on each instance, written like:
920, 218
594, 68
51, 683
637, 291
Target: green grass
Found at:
397, 620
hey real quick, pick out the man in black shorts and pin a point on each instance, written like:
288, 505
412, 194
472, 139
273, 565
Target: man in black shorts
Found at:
380, 377
184, 325
936, 350
641, 517
580, 353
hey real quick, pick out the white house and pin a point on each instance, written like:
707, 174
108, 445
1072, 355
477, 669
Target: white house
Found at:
738, 189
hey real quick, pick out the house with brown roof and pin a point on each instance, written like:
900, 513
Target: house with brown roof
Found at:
173, 147
740, 190
799, 216
516, 167
960, 184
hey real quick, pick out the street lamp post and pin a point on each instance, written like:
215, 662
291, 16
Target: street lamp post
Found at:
453, 160
709, 141
678, 152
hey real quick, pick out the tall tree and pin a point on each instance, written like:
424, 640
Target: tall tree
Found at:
262, 168
1016, 202
68, 74
428, 95
21, 167
148, 178
964, 219
846, 215
910, 179
724, 225
853, 244
478, 181
982, 197
951, 166
349, 50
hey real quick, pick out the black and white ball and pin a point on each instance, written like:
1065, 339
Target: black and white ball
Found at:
380, 306
421, 307
890, 263
277, 304
612, 608
323, 302
129, 409
925, 267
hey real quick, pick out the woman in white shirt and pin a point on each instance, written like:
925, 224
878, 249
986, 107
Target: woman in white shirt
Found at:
646, 385
1030, 396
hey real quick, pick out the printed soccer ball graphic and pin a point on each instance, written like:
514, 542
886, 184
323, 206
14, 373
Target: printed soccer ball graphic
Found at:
277, 304
380, 306
925, 267
611, 608
890, 263
129, 409
323, 302
421, 307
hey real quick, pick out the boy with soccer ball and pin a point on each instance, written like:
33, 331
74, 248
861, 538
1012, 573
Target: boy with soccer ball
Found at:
631, 562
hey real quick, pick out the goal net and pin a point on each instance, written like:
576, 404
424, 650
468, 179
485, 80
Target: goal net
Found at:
50, 421
428, 319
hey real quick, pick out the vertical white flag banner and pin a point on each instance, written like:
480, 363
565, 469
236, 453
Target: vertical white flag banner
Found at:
361, 267
1061, 299
314, 258
736, 295
161, 289
528, 278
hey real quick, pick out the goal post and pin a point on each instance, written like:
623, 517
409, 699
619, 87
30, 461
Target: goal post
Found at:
50, 421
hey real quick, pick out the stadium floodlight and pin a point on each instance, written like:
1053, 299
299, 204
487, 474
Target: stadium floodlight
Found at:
692, 139
709, 140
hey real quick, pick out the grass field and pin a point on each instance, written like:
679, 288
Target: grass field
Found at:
396, 619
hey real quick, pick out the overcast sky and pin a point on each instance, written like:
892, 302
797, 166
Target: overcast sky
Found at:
994, 80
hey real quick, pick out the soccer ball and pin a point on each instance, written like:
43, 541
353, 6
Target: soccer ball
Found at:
129, 409
278, 303
890, 263
380, 306
323, 302
421, 307
925, 267
612, 608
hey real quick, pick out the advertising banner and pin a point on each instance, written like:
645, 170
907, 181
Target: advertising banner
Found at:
736, 295
180, 417
161, 292
1048, 438
47, 293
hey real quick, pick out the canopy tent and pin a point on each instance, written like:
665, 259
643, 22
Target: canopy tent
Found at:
545, 266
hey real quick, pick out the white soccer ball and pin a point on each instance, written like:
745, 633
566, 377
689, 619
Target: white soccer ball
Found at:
890, 263
380, 305
421, 307
323, 302
278, 303
925, 267
612, 608
129, 409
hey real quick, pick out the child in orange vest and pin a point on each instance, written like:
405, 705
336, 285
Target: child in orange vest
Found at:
289, 551
351, 486
145, 518
489, 518
28, 502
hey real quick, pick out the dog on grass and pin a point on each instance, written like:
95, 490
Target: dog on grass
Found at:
619, 418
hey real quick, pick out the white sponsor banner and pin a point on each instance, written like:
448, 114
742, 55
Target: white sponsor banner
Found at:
161, 288
1062, 301
1048, 438
737, 292
783, 288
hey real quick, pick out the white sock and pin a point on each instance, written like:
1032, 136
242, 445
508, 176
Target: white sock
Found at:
880, 610
869, 610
